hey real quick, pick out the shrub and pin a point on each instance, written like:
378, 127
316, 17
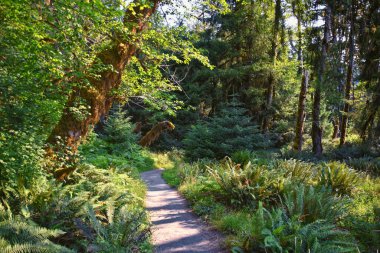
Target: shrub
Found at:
102, 207
311, 204
366, 164
119, 134
231, 130
274, 231
22, 168
194, 170
19, 235
244, 185
117, 147
337, 176
242, 157
295, 171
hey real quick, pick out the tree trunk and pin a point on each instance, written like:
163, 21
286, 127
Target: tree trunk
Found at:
71, 128
297, 145
271, 79
268, 105
371, 110
335, 123
316, 130
348, 80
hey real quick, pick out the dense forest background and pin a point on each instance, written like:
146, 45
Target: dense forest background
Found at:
289, 89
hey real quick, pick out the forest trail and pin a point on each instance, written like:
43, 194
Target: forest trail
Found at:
175, 227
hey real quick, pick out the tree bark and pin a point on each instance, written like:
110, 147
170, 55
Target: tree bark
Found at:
271, 78
297, 145
316, 130
298, 140
98, 95
335, 123
371, 110
349, 79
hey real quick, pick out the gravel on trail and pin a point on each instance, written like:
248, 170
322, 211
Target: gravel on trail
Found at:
175, 227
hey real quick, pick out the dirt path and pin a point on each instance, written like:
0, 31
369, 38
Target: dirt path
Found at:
175, 227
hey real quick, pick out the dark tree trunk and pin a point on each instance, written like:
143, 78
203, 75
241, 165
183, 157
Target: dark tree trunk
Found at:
297, 145
271, 80
370, 112
316, 130
298, 140
335, 123
348, 80
98, 95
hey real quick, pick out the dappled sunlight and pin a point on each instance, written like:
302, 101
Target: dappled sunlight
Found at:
175, 228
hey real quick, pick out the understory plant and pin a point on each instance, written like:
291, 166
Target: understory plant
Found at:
277, 231
101, 209
244, 184
97, 208
274, 205
229, 131
18, 234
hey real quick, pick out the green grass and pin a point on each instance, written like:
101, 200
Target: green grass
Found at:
169, 161
162, 160
171, 177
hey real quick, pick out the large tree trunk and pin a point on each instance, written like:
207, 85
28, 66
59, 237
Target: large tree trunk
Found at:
98, 95
271, 79
297, 145
348, 80
370, 112
298, 140
316, 130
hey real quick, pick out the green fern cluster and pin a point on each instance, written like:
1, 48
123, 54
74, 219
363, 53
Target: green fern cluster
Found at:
314, 207
245, 184
277, 231
242, 156
312, 203
338, 177
295, 171
18, 235
103, 207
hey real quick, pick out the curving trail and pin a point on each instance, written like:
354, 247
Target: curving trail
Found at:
175, 227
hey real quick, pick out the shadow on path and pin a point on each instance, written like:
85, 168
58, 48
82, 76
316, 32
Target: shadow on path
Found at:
175, 227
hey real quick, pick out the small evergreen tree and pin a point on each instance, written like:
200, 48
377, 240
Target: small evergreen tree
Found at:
119, 133
229, 131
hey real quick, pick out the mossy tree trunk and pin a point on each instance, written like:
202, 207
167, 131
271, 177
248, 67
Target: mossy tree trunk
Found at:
349, 80
316, 129
271, 79
97, 95
297, 145
301, 112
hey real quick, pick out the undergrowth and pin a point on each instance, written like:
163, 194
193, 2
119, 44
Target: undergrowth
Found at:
98, 208
274, 205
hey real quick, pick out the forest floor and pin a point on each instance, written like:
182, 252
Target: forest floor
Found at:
175, 228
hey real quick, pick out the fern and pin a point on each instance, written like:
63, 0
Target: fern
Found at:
311, 204
121, 230
296, 171
275, 231
18, 236
338, 177
245, 184
321, 236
